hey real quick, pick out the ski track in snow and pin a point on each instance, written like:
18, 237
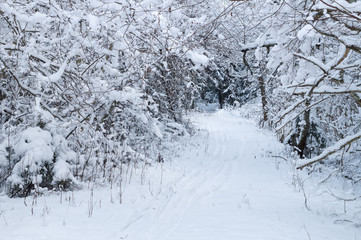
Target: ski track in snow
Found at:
229, 189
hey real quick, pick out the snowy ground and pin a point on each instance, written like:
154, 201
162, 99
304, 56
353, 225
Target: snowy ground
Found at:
223, 184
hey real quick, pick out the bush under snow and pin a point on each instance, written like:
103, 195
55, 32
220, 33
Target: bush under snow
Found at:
40, 160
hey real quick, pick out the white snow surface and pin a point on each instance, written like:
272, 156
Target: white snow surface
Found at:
222, 183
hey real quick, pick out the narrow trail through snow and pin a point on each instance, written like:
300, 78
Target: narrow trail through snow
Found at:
231, 190
225, 188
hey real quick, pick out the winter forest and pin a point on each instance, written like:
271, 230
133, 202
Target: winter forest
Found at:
134, 105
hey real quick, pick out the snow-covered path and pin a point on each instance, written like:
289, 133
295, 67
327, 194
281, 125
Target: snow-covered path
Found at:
232, 190
227, 188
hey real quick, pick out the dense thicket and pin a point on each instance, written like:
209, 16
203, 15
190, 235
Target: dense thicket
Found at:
87, 86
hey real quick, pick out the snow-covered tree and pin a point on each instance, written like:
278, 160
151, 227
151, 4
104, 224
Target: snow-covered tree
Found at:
313, 72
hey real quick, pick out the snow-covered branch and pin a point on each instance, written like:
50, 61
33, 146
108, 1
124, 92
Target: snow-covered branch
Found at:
329, 151
314, 61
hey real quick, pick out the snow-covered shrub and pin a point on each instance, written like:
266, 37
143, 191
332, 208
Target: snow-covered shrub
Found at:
40, 161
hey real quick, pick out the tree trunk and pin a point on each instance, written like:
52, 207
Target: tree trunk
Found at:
220, 98
263, 97
305, 132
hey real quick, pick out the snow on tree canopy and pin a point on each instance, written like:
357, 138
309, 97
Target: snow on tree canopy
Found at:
198, 59
306, 31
